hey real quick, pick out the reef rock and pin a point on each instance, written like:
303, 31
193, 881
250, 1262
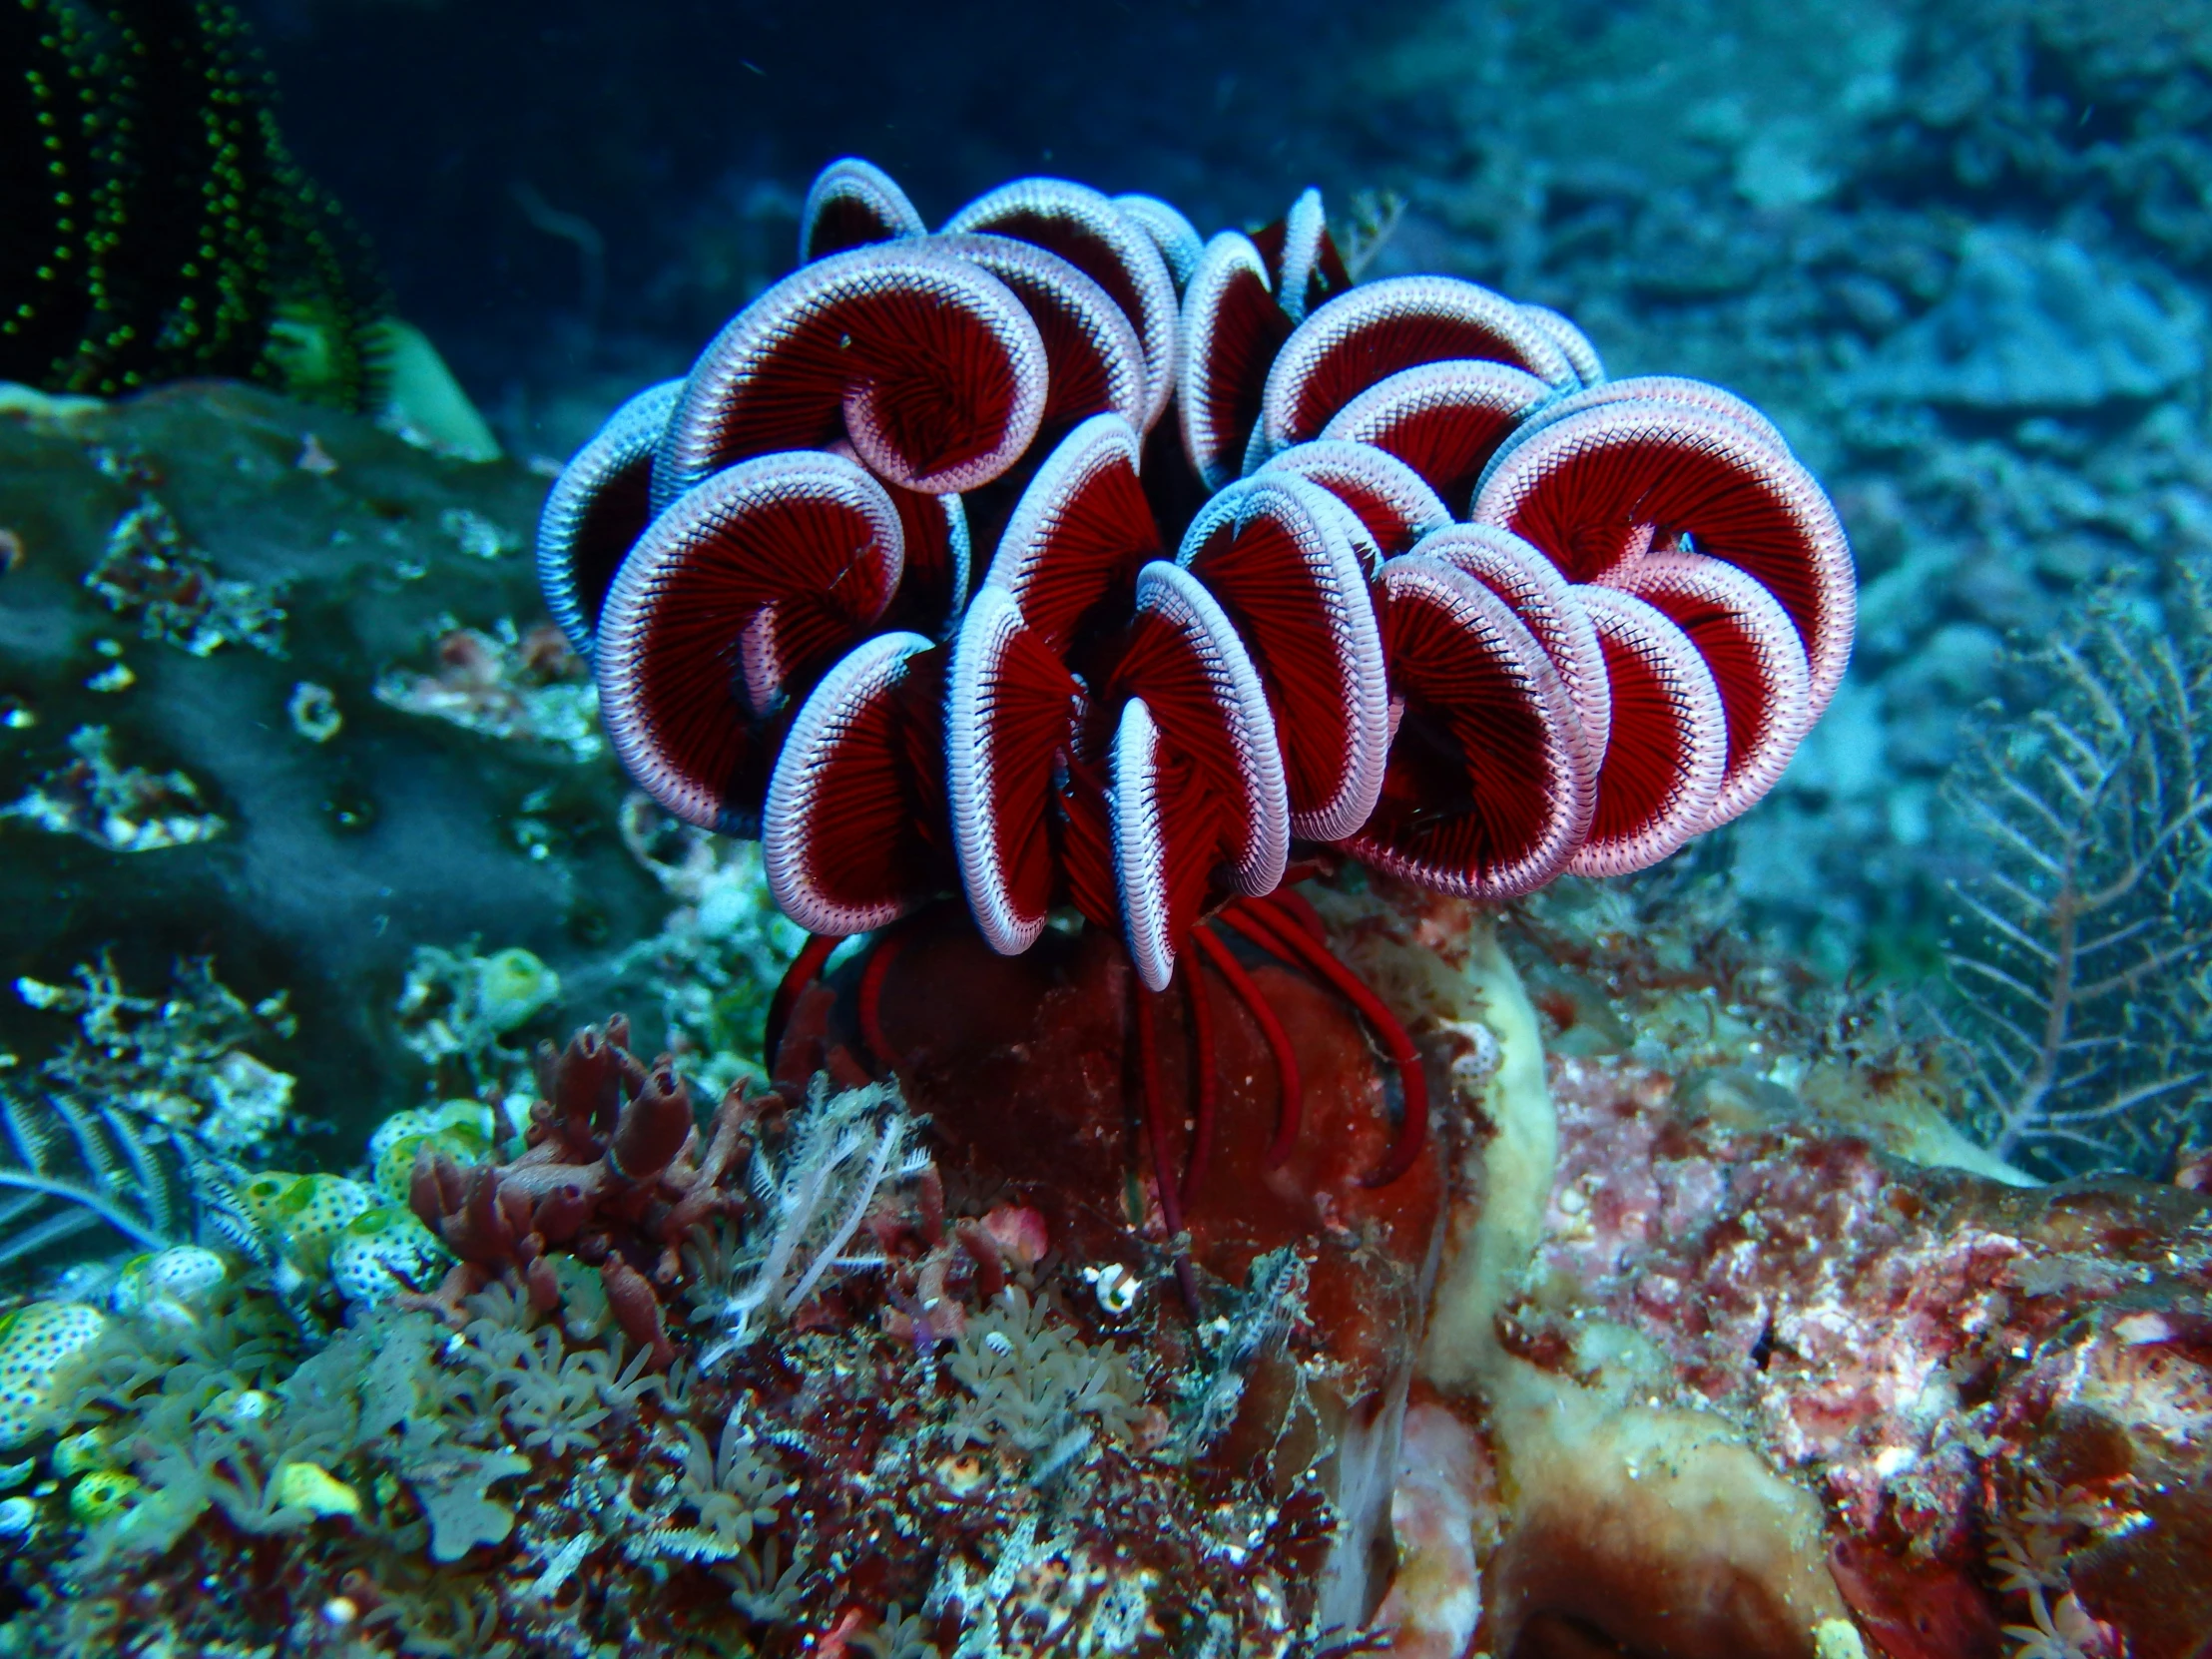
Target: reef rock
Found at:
272, 686
1720, 1367
2033, 323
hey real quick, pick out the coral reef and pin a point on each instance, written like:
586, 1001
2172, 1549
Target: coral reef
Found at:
136, 1128
962, 1436
1731, 1353
1695, 1333
947, 1304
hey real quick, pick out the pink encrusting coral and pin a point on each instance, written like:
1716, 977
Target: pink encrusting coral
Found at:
1946, 1357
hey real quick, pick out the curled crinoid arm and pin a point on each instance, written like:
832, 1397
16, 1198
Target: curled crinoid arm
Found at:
1274, 553
1393, 502
927, 364
1381, 328
740, 596
1175, 236
1107, 246
1490, 781
1667, 749
1232, 331
1621, 475
855, 834
853, 204
597, 509
1445, 420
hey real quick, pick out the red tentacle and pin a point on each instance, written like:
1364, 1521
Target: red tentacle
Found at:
1274, 929
1299, 910
1202, 1060
805, 969
1156, 1131
871, 995
1291, 1109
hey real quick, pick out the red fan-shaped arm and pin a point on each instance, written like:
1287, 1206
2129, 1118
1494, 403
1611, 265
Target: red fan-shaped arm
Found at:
1663, 768
1070, 554
925, 364
1273, 552
1307, 267
939, 563
1380, 328
1757, 661
732, 603
853, 834
1182, 655
1572, 342
1098, 238
1094, 360
1175, 236
1546, 604
1391, 499
1599, 485
1445, 420
1232, 331
1490, 778
853, 204
1011, 713
597, 509
1166, 828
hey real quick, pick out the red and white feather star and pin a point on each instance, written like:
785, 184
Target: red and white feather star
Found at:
896, 581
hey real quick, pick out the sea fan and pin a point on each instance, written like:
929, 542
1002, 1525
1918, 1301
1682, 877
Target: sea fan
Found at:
2082, 950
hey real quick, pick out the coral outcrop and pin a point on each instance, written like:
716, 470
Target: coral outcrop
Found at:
1732, 1353
1695, 1331
161, 795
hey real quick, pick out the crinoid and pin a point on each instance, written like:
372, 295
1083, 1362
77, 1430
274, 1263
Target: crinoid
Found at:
911, 578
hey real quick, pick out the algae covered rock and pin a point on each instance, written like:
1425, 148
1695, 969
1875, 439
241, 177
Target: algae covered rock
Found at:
274, 688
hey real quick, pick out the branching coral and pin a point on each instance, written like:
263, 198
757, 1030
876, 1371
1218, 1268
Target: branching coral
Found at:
2085, 943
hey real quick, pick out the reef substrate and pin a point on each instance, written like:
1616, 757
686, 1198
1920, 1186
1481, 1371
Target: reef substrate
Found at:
1697, 1332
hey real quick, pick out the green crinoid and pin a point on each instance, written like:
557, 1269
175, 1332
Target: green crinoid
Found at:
158, 229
